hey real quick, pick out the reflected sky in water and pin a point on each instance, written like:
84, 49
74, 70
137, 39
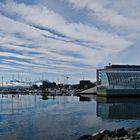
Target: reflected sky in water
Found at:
63, 118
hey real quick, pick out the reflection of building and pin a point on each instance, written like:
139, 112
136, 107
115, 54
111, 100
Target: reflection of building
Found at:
118, 108
118, 80
84, 98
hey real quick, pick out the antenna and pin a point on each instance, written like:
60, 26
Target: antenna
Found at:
2, 81
13, 77
83, 76
18, 76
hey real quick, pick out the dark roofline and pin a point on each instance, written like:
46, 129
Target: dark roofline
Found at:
122, 66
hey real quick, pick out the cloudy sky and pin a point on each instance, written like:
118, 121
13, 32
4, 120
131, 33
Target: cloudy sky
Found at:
52, 39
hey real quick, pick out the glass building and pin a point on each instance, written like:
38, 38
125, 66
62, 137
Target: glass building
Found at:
121, 79
116, 78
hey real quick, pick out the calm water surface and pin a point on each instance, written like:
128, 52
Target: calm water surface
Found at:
30, 117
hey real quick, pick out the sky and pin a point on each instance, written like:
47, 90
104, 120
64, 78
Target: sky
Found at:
55, 39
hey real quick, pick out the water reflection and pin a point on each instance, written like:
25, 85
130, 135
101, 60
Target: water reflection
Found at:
118, 108
16, 104
63, 118
30, 117
84, 98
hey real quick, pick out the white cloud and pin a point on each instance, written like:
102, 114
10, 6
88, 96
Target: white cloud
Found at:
103, 12
44, 48
39, 15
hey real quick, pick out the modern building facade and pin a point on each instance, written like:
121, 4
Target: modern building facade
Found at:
118, 80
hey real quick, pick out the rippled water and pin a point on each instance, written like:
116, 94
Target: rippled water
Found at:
29, 117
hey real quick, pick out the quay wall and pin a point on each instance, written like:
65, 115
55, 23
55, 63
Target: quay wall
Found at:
118, 92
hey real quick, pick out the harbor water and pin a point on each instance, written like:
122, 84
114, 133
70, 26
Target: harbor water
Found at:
29, 117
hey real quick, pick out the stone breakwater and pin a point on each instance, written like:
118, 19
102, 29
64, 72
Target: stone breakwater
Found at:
117, 134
